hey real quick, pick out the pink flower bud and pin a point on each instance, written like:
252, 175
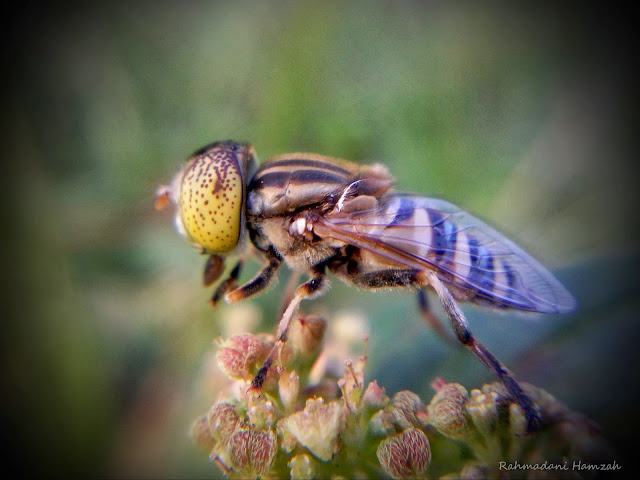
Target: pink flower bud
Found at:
238, 356
201, 433
289, 388
223, 420
375, 396
448, 412
306, 334
252, 451
405, 455
302, 466
406, 410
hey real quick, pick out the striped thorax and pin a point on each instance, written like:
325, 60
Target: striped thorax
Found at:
291, 182
289, 190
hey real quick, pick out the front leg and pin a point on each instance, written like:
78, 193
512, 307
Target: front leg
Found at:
227, 285
258, 283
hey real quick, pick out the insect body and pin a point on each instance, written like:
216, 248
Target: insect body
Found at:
319, 215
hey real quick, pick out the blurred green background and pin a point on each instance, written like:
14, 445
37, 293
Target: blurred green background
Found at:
521, 115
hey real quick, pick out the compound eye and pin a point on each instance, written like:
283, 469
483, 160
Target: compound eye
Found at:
211, 200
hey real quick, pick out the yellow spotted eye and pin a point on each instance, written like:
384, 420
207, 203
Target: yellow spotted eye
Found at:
211, 201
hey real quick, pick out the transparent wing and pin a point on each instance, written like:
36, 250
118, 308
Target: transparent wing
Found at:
425, 233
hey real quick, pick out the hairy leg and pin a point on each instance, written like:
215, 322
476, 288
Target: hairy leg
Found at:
256, 284
432, 320
314, 287
461, 329
228, 284
400, 277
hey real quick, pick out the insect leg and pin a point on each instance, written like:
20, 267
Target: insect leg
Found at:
289, 292
314, 287
257, 283
432, 320
228, 284
384, 278
213, 268
461, 329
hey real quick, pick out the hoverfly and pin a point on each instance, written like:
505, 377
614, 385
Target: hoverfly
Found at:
319, 214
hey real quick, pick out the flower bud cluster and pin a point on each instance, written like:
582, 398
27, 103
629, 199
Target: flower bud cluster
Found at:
314, 426
494, 427
234, 444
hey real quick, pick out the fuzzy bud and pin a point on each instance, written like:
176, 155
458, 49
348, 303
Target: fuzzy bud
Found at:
483, 408
302, 466
223, 420
379, 425
448, 413
289, 388
238, 356
306, 334
201, 433
405, 455
406, 410
261, 414
317, 427
375, 397
252, 451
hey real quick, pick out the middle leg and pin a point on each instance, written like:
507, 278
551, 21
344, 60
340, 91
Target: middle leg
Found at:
257, 284
313, 288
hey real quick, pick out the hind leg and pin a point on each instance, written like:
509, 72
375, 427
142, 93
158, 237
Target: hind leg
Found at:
464, 336
421, 279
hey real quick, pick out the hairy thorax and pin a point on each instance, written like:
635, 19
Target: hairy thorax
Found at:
299, 249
